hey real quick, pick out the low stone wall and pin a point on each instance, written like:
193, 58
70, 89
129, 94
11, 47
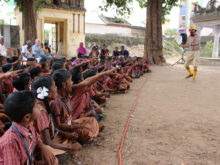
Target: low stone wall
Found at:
210, 61
112, 40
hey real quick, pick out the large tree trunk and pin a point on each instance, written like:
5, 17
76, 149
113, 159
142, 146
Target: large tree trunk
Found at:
153, 35
29, 20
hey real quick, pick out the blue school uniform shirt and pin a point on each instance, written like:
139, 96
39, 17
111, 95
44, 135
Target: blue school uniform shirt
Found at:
125, 53
116, 53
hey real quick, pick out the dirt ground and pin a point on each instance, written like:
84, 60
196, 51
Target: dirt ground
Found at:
177, 122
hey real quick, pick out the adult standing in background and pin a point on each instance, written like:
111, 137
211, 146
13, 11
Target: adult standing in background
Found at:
3, 50
124, 52
116, 53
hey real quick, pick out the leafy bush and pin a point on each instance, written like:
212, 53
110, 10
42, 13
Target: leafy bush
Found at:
171, 48
206, 51
111, 40
171, 32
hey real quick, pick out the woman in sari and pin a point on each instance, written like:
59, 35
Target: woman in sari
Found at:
81, 51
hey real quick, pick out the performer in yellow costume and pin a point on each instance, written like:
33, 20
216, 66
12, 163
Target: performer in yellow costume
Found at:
193, 54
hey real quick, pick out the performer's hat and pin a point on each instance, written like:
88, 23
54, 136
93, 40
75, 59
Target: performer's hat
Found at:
192, 27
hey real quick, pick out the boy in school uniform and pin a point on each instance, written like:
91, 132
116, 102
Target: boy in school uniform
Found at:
21, 144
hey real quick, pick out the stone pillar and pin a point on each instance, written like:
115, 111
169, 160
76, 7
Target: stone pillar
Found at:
216, 32
199, 29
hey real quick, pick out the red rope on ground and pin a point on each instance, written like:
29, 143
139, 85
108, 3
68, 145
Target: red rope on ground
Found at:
128, 122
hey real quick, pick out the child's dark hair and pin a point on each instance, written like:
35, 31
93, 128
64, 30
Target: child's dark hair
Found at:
14, 58
31, 59
76, 75
90, 73
42, 60
43, 81
18, 67
6, 67
61, 76
21, 81
73, 59
2, 58
29, 46
43, 65
18, 104
63, 59
85, 66
57, 66
35, 71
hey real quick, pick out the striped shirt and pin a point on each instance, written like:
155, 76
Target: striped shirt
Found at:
12, 148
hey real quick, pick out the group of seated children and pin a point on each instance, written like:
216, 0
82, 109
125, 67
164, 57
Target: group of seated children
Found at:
56, 105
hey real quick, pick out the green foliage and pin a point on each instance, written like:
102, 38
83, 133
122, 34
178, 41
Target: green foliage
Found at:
171, 32
38, 4
171, 48
124, 7
2, 22
206, 51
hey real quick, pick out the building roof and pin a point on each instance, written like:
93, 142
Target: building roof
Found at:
114, 21
64, 7
94, 18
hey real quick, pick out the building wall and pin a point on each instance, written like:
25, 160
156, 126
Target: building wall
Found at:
105, 29
11, 35
138, 32
73, 27
186, 12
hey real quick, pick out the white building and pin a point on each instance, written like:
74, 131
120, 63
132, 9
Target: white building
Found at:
96, 24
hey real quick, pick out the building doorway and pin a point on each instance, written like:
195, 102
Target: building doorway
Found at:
54, 35
50, 36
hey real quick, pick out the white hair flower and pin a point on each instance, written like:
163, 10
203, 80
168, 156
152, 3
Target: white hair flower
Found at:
42, 92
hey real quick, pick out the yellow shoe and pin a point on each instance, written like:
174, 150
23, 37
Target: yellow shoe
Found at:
195, 73
188, 70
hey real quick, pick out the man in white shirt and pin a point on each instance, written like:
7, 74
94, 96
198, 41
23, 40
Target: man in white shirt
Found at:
24, 51
3, 50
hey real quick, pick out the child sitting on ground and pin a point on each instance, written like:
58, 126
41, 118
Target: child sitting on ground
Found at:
87, 128
21, 143
45, 89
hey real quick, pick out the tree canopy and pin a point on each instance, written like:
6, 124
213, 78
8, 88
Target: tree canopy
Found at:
124, 7
38, 3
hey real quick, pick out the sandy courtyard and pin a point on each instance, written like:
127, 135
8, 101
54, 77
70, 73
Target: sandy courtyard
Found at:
177, 121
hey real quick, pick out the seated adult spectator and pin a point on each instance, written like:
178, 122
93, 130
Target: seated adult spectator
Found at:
94, 52
47, 50
3, 50
81, 51
27, 50
124, 52
38, 51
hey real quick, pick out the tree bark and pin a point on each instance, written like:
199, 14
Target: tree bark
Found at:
153, 49
29, 20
